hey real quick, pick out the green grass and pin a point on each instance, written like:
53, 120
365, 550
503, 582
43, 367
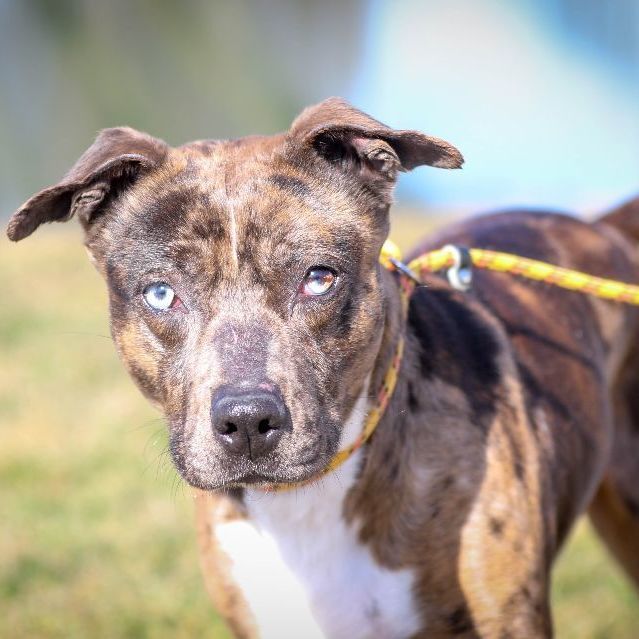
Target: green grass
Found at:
97, 538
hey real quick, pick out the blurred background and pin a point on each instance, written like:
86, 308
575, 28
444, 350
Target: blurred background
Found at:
541, 96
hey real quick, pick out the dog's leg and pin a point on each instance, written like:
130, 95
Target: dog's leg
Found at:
615, 515
213, 508
502, 564
615, 508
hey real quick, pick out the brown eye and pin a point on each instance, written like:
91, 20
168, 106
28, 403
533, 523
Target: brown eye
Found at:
318, 281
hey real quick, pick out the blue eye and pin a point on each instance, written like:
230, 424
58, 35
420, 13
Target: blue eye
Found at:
159, 296
318, 281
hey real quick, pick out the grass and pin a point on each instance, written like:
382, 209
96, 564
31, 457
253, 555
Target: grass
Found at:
97, 537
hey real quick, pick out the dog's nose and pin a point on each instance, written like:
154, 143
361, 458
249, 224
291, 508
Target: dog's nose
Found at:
249, 422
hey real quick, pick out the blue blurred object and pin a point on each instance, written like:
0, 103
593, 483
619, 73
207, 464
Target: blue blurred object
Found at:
542, 97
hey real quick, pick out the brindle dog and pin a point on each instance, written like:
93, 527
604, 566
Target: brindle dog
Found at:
247, 301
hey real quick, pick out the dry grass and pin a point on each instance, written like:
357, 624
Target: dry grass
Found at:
96, 537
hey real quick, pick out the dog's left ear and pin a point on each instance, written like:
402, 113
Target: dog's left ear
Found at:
359, 144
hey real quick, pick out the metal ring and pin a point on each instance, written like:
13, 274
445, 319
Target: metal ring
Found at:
460, 274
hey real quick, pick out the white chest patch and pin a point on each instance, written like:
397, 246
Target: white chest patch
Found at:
304, 572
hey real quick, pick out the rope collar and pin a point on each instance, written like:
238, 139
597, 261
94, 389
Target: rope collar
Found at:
458, 262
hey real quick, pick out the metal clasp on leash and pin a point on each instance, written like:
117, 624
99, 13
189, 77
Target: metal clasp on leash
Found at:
460, 274
404, 270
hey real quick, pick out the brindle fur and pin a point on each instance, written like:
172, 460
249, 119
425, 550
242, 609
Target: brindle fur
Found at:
516, 407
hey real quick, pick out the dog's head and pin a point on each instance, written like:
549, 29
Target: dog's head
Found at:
245, 291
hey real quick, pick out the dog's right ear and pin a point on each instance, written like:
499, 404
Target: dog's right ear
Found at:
110, 164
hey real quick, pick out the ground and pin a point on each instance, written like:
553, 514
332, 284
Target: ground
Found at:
97, 538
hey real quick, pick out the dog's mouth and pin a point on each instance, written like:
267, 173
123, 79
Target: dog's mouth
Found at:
211, 470
271, 482
252, 479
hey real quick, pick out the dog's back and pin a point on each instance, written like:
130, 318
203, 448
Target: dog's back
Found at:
578, 358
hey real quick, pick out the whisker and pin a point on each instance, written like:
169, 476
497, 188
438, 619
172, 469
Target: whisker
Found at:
84, 334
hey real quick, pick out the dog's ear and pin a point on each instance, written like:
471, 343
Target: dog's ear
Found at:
108, 166
367, 148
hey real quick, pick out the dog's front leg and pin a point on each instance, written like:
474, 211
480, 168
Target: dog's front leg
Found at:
502, 566
251, 586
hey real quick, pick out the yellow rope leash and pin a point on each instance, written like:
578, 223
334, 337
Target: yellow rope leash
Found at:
444, 258
448, 258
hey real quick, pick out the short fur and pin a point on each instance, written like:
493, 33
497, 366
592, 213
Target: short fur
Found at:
515, 411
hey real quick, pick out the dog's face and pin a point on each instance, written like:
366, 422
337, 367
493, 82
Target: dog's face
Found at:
245, 290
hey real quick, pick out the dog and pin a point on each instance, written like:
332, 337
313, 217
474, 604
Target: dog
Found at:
248, 302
